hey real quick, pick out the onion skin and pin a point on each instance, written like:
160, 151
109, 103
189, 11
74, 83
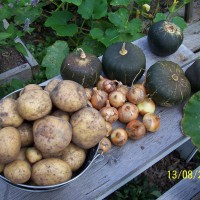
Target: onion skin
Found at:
119, 137
100, 83
117, 98
122, 88
146, 106
128, 112
135, 129
151, 122
108, 128
88, 93
136, 93
109, 85
105, 145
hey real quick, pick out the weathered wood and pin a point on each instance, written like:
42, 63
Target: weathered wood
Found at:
186, 189
121, 165
189, 12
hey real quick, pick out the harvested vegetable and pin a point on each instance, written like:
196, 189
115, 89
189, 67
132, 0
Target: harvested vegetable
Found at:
146, 106
151, 122
105, 145
119, 137
117, 98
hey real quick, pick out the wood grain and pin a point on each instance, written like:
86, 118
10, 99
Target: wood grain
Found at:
120, 165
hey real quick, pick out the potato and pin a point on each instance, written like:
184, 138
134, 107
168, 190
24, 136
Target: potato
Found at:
26, 134
51, 85
74, 156
50, 171
22, 154
52, 155
51, 134
8, 113
88, 127
10, 144
2, 167
18, 171
30, 87
69, 96
62, 114
33, 155
34, 104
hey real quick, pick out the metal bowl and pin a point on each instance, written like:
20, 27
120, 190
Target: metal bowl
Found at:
92, 154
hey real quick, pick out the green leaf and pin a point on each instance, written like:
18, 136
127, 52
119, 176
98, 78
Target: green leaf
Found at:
159, 17
58, 22
4, 35
93, 9
54, 58
75, 2
96, 33
179, 22
190, 122
19, 47
17, 84
135, 26
119, 18
156, 193
120, 2
6, 12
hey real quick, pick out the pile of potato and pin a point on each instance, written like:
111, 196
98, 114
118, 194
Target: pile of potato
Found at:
45, 133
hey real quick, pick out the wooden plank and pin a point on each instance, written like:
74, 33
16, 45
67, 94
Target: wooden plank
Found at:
120, 165
189, 11
186, 189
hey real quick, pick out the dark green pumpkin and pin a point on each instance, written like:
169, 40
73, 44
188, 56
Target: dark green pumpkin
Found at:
193, 75
124, 62
167, 84
164, 38
82, 68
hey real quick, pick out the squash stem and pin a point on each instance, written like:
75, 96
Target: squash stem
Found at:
123, 51
82, 54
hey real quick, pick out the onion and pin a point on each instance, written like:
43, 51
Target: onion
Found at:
110, 114
99, 98
100, 82
151, 122
116, 98
122, 88
135, 129
88, 93
146, 106
119, 137
108, 128
136, 93
128, 112
109, 85
105, 145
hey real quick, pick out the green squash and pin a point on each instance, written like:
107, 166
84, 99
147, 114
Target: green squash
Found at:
193, 75
164, 38
124, 62
167, 84
82, 68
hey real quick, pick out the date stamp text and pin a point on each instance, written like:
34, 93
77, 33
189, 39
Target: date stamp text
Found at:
183, 174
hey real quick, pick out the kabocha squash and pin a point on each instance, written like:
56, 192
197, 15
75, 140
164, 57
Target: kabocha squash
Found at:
193, 75
124, 62
164, 38
82, 68
167, 84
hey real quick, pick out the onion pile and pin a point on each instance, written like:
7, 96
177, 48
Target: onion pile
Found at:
129, 105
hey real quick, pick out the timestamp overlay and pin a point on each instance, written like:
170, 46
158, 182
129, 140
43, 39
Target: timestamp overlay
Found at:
183, 174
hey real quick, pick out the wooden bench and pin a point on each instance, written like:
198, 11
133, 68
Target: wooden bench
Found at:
121, 165
189, 11
186, 189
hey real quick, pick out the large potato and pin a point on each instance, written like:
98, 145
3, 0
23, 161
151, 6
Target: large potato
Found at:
50, 171
30, 87
74, 156
88, 127
51, 85
10, 144
18, 171
34, 104
26, 134
69, 96
8, 113
51, 134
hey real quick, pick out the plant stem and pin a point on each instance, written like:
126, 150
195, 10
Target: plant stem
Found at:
60, 6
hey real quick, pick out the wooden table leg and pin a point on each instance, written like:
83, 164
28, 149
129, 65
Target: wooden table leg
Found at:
189, 11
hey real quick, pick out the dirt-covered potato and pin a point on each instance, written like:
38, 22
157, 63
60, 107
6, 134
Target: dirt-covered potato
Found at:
88, 127
30, 87
9, 115
18, 171
62, 114
51, 134
34, 104
74, 156
69, 96
50, 171
33, 155
26, 134
51, 85
10, 144
22, 154
52, 155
